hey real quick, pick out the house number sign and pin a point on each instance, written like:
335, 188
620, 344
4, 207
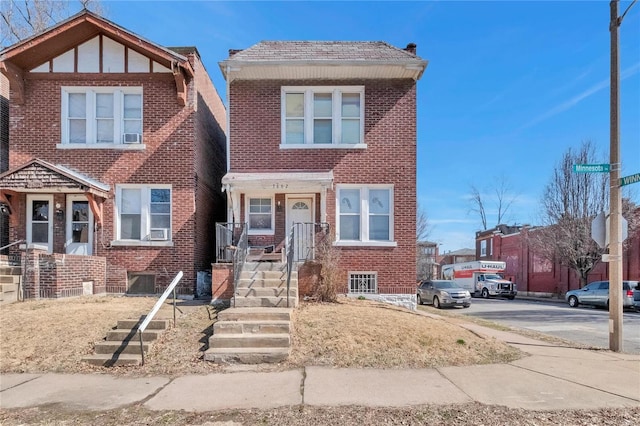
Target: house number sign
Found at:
280, 185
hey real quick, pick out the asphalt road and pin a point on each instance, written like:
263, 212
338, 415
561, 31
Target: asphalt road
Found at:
584, 325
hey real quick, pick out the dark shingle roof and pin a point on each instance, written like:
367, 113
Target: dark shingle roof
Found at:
330, 51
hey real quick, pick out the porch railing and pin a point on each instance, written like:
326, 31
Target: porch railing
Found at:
239, 257
302, 244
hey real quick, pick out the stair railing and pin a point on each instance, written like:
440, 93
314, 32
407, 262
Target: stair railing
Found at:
290, 251
11, 244
156, 308
239, 257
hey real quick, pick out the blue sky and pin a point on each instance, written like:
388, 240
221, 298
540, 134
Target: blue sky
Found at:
510, 85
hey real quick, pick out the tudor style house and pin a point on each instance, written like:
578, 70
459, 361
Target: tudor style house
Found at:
116, 154
324, 133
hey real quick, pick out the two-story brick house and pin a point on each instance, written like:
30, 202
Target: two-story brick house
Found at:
325, 132
116, 154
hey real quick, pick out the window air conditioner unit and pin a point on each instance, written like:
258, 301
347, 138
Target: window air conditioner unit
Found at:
132, 138
159, 234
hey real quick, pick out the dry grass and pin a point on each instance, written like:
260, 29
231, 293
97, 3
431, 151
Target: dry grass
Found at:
54, 335
362, 333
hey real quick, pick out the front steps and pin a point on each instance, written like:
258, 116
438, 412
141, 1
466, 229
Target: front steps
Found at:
257, 329
10, 277
122, 345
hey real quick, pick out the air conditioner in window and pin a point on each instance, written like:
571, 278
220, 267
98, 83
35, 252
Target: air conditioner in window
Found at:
132, 138
159, 234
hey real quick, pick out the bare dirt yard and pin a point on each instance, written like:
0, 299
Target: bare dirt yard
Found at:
53, 336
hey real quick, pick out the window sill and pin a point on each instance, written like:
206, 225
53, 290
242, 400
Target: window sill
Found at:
365, 244
261, 232
114, 146
323, 146
135, 243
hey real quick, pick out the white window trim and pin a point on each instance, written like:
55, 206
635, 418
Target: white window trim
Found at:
308, 116
146, 216
250, 231
364, 218
40, 246
483, 247
91, 143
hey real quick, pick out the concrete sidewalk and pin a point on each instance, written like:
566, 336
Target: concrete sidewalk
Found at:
549, 378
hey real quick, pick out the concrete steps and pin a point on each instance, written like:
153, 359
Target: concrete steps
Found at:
10, 277
122, 345
257, 329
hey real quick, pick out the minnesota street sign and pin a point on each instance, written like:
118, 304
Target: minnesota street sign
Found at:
628, 180
591, 168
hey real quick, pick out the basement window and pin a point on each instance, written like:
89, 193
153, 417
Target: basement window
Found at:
363, 282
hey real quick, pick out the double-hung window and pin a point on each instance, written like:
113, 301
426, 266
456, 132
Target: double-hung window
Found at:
101, 116
322, 117
143, 213
364, 215
260, 215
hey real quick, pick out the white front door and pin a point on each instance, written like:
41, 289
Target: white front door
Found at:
79, 225
40, 222
300, 211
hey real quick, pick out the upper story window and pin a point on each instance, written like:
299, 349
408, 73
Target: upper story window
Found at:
323, 117
143, 214
364, 215
101, 117
483, 247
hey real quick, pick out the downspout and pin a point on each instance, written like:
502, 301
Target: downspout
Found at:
228, 120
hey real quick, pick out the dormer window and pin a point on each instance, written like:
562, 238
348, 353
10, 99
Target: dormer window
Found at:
323, 117
101, 117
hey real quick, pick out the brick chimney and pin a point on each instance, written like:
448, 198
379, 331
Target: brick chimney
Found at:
411, 48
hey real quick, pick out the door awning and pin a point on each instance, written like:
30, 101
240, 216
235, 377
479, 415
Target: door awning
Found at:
278, 181
39, 176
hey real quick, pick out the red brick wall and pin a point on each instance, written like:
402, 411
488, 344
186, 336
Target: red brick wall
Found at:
390, 158
61, 275
533, 274
170, 137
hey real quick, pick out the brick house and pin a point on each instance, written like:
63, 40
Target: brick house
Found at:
324, 133
116, 153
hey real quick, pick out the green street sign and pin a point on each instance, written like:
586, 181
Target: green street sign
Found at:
591, 168
628, 180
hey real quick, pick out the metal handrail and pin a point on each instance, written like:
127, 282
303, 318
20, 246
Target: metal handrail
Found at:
290, 251
156, 308
239, 258
12, 244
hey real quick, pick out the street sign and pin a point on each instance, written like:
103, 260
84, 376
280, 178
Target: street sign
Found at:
591, 168
600, 229
628, 180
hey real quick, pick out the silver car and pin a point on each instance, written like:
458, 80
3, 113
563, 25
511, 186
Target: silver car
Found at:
597, 294
443, 293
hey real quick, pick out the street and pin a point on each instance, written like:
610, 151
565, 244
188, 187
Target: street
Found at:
584, 325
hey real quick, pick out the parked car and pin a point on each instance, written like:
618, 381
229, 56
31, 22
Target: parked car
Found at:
442, 293
597, 294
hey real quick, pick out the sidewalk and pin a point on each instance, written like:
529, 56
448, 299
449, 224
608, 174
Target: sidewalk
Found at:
550, 378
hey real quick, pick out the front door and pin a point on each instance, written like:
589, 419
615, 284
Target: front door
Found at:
300, 212
79, 225
40, 222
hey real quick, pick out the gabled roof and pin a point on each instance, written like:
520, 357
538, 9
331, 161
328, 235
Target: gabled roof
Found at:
79, 28
38, 175
290, 59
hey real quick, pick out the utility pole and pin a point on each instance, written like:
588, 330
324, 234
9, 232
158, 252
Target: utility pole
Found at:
615, 203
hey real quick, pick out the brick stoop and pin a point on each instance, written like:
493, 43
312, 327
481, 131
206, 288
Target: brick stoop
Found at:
257, 329
122, 345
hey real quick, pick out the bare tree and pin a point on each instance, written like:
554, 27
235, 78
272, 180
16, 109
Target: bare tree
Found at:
477, 206
423, 228
22, 19
504, 198
570, 202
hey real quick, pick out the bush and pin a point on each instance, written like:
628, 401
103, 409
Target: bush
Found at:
330, 274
